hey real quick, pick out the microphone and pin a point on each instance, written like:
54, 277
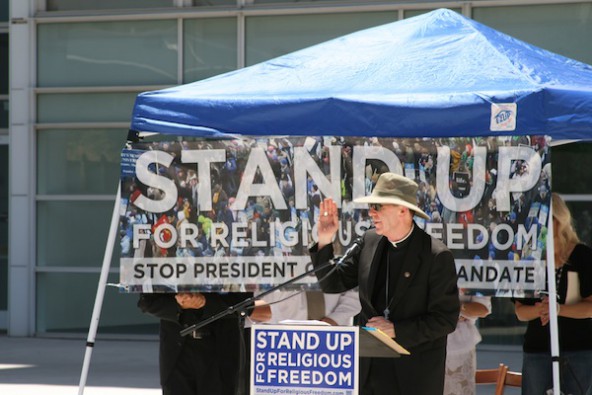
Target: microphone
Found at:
351, 251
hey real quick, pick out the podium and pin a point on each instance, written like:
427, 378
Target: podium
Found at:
319, 359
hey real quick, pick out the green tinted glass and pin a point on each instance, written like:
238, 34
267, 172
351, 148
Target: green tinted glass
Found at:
568, 160
3, 10
79, 161
73, 233
107, 53
3, 114
210, 47
562, 28
270, 36
79, 5
75, 293
85, 107
4, 64
412, 13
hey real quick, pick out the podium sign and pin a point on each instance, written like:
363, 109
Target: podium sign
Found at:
302, 359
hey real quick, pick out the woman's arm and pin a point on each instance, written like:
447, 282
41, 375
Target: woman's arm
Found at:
526, 312
581, 309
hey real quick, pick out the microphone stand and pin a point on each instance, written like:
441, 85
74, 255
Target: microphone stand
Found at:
240, 307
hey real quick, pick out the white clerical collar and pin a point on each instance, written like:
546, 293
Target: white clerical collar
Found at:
396, 243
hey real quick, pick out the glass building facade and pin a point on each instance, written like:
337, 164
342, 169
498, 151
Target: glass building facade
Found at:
76, 68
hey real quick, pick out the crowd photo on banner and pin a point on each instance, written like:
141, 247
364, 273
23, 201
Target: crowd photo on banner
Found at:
232, 214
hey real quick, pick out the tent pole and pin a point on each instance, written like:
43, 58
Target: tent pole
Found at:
94, 323
553, 306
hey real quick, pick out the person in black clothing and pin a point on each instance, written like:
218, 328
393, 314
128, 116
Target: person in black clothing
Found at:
209, 360
407, 287
573, 272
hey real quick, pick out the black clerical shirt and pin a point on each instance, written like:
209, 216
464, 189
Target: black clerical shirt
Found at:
390, 264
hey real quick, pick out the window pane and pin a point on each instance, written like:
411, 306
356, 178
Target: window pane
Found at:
286, 1
562, 28
74, 233
3, 227
3, 10
412, 13
76, 5
4, 114
58, 311
570, 159
582, 217
199, 3
4, 64
270, 36
79, 161
209, 47
107, 53
85, 107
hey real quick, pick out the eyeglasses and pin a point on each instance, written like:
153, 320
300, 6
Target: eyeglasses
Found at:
375, 206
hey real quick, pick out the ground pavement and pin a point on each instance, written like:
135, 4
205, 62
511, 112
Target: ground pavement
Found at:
49, 366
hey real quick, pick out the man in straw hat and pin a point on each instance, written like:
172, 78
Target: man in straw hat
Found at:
407, 286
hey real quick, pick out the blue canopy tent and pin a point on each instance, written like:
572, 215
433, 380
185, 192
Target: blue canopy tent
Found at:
435, 75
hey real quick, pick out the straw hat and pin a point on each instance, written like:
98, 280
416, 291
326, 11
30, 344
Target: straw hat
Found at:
395, 189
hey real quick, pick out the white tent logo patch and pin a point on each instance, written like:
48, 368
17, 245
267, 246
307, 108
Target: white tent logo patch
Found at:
503, 117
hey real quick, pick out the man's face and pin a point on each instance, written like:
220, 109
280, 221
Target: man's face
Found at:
386, 219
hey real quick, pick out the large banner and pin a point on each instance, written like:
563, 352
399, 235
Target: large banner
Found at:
240, 214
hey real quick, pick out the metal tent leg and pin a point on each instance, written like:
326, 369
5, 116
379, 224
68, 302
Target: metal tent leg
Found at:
94, 322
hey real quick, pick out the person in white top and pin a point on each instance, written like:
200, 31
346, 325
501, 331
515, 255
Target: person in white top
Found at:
461, 353
340, 309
